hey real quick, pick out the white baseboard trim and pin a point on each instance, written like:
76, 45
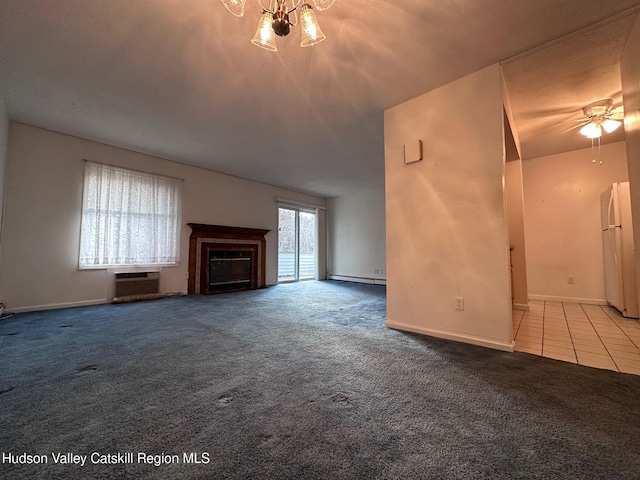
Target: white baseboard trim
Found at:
520, 306
348, 278
506, 347
54, 306
589, 301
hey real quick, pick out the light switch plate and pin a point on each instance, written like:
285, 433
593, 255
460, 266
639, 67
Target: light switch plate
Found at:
412, 152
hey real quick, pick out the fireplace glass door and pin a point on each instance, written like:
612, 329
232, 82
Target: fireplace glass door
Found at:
230, 270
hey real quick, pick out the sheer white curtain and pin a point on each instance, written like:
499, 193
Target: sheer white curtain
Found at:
129, 218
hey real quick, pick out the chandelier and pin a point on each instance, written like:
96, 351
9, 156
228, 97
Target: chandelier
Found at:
280, 17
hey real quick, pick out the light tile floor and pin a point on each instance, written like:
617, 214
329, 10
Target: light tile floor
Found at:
592, 335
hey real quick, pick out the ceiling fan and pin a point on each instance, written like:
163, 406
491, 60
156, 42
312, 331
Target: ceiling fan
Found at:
600, 116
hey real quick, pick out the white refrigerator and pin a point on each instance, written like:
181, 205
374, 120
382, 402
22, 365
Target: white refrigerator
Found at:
618, 249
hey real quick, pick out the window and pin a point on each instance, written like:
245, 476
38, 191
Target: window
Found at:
129, 218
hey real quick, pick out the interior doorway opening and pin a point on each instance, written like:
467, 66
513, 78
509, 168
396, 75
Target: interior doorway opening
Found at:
297, 244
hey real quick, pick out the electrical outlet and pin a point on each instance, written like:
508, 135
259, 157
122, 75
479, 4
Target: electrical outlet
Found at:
186, 276
571, 280
459, 303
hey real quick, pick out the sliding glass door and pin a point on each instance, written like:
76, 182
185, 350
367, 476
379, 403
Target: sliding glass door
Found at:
306, 245
296, 244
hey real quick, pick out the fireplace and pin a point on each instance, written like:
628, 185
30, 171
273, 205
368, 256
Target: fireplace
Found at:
230, 270
225, 259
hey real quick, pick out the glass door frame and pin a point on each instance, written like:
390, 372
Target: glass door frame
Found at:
296, 254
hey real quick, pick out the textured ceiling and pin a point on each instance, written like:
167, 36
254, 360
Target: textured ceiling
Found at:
549, 86
180, 79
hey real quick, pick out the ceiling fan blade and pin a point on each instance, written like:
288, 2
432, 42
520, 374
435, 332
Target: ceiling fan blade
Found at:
616, 113
582, 120
574, 127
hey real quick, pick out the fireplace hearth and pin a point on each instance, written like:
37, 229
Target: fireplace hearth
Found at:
224, 259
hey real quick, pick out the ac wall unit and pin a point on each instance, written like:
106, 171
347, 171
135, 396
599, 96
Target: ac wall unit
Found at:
136, 283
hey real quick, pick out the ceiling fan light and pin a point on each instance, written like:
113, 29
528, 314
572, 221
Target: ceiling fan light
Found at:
611, 125
311, 33
235, 6
265, 37
591, 130
322, 5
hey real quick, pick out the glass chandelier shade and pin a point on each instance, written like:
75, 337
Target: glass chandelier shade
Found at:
235, 6
311, 33
265, 37
322, 5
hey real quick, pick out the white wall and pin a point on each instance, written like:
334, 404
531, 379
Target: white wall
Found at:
515, 213
43, 210
630, 74
562, 221
445, 215
356, 229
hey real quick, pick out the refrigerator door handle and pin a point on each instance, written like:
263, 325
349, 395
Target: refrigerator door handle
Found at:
613, 250
609, 207
610, 229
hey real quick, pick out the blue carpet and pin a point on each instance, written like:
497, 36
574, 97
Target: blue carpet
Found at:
291, 382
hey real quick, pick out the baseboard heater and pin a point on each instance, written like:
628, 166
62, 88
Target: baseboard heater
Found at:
136, 286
